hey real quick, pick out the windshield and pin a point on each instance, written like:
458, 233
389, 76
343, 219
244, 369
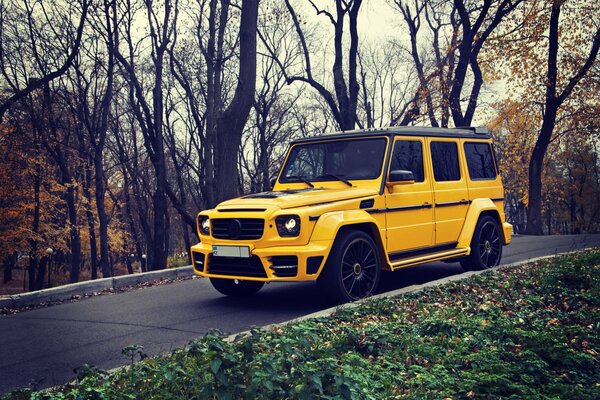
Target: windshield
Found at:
328, 161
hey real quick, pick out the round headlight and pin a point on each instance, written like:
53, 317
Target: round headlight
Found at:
290, 224
204, 225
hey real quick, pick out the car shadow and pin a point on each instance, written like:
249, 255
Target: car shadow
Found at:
300, 298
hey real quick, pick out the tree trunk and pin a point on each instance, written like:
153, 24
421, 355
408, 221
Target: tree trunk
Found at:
33, 265
91, 223
536, 164
9, 265
232, 121
33, 260
102, 131
101, 209
74, 232
39, 281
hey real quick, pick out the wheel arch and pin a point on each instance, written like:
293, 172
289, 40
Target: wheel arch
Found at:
478, 209
331, 225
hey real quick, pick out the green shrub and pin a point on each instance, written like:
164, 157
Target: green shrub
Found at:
529, 332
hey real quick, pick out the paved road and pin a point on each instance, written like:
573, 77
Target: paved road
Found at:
42, 347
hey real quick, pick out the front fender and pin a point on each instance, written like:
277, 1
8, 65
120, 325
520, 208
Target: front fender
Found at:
330, 223
477, 207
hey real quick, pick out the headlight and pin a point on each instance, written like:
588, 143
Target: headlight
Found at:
288, 225
204, 225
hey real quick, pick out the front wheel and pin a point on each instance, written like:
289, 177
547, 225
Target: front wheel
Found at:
486, 246
236, 287
353, 268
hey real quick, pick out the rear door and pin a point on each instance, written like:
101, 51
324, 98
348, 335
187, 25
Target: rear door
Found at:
485, 181
451, 196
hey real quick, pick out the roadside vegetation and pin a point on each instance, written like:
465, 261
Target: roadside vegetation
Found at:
528, 332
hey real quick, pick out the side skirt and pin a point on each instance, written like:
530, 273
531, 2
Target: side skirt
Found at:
425, 255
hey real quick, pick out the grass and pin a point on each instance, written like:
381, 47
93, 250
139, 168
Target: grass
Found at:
527, 332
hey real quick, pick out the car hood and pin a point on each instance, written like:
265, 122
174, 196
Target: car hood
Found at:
295, 198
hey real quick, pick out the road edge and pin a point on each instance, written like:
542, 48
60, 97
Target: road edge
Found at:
67, 292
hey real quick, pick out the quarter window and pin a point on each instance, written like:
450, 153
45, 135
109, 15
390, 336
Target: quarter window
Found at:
480, 161
408, 156
444, 156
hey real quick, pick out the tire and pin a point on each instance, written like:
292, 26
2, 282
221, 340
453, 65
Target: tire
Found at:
486, 246
353, 268
236, 287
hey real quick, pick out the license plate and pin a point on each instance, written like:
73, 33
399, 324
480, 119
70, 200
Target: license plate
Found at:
231, 251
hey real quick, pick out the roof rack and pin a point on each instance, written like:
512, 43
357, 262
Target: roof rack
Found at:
478, 130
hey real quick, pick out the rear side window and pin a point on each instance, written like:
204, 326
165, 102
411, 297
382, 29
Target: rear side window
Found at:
408, 156
444, 156
480, 161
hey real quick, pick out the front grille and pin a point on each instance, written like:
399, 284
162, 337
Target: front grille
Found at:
230, 266
284, 266
238, 228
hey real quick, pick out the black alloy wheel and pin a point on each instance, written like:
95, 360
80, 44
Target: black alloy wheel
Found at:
353, 268
236, 287
486, 246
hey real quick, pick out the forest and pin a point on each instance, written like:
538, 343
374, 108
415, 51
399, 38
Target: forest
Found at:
120, 120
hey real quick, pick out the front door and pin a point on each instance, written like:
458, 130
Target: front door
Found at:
409, 206
451, 196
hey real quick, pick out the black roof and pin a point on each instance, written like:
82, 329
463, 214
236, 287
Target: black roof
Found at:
461, 132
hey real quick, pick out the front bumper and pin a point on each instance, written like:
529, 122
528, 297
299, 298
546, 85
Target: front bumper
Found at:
281, 263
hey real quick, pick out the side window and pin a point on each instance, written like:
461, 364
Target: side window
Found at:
408, 156
480, 161
444, 156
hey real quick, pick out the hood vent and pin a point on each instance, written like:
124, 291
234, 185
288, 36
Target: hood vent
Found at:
242, 210
368, 203
274, 195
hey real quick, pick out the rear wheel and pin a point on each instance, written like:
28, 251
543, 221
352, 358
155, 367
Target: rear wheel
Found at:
486, 246
353, 268
236, 287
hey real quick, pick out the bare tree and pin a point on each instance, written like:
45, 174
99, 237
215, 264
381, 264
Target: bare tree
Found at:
449, 53
20, 85
343, 104
149, 111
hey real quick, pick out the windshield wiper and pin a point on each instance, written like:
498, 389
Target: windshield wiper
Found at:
301, 179
339, 178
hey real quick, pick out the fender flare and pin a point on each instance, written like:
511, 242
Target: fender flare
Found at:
477, 207
329, 225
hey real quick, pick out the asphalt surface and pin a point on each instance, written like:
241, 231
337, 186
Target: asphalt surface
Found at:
42, 347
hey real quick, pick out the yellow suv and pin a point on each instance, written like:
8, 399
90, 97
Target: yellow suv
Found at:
347, 205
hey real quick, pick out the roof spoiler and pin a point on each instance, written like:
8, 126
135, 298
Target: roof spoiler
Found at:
478, 130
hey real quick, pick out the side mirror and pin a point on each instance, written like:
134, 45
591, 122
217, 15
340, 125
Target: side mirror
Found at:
401, 176
397, 178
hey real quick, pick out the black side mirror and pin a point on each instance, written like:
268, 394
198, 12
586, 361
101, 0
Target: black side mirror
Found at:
401, 176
